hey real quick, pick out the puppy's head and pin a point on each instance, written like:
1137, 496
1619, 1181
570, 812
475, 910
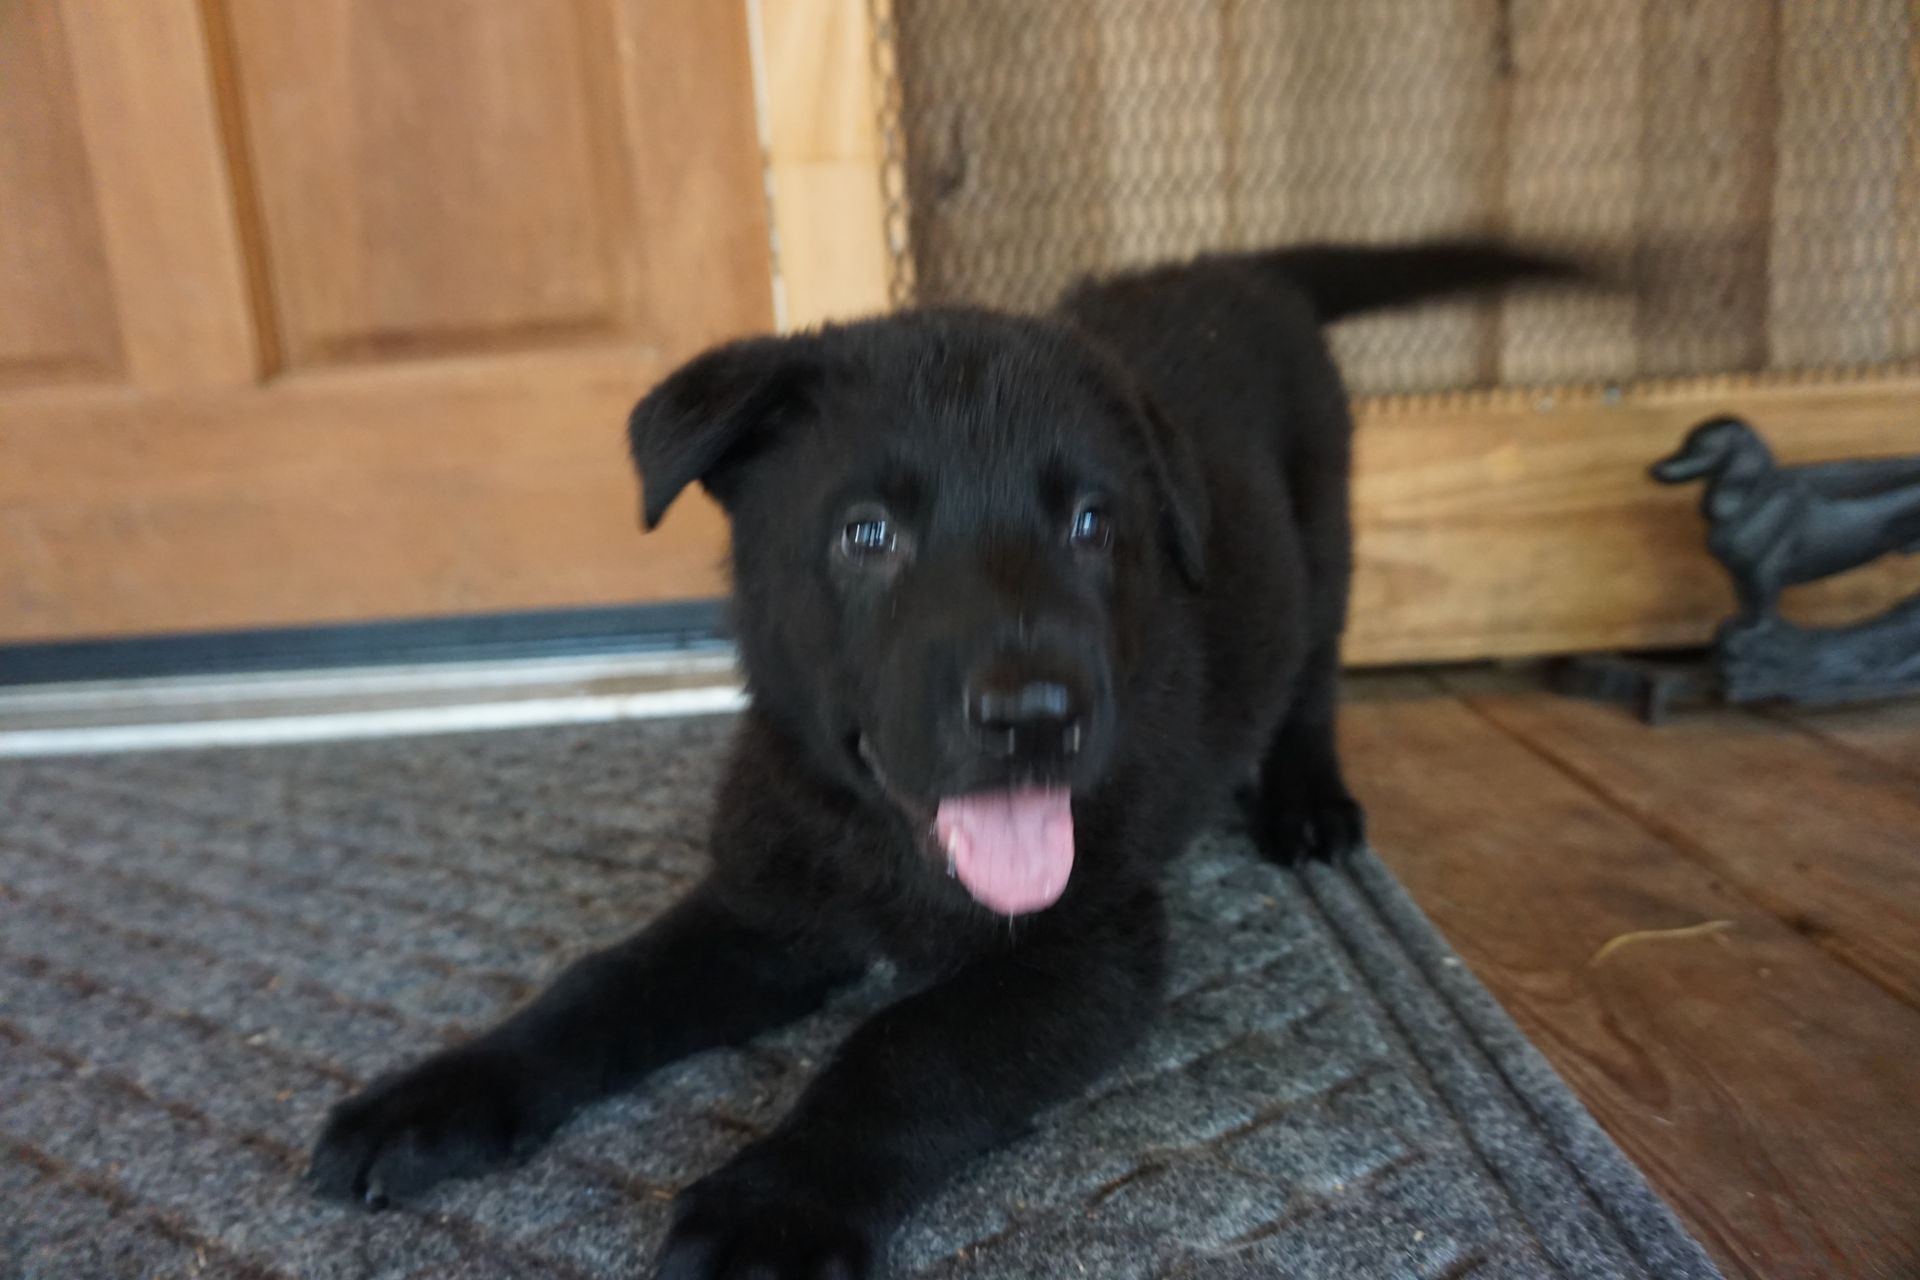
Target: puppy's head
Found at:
954, 536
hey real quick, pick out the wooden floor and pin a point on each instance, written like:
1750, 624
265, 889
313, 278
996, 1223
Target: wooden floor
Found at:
1711, 928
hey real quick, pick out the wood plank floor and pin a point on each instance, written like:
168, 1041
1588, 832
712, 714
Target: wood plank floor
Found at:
1711, 928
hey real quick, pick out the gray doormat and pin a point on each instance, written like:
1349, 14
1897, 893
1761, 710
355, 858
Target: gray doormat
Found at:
199, 952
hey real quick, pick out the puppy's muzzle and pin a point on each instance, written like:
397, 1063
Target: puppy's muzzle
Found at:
1011, 717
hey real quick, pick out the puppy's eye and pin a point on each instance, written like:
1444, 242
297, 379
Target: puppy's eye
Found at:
869, 538
1092, 529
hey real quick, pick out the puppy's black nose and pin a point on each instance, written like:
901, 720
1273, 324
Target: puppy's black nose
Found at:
1024, 717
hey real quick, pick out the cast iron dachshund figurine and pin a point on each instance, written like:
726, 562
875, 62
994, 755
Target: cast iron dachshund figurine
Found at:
1773, 527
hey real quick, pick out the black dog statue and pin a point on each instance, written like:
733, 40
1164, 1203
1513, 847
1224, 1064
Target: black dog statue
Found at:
1773, 527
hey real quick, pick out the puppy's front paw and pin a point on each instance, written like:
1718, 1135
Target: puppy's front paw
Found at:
745, 1222
1325, 829
456, 1114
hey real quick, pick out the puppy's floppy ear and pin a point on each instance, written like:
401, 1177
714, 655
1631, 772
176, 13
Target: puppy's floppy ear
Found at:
714, 413
1181, 486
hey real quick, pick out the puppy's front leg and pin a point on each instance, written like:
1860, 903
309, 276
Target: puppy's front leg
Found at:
698, 977
1303, 809
917, 1092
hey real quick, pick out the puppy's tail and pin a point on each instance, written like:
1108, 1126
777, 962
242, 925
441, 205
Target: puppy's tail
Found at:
1344, 280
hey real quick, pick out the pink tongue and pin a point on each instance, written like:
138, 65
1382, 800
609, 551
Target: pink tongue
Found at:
1013, 850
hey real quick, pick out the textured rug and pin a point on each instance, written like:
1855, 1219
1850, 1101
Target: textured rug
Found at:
200, 952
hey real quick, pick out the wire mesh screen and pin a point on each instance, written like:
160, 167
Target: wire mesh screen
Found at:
1750, 169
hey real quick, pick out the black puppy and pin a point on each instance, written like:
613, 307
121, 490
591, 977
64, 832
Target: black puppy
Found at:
1019, 601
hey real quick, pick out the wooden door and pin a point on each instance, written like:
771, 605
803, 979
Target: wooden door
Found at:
332, 310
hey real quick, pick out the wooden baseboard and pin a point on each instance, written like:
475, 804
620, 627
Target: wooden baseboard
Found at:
1524, 522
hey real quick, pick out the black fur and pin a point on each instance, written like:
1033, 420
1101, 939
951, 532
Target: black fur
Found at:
1192, 626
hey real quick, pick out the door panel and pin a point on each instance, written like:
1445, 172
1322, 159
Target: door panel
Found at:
159, 169
429, 176
457, 487
367, 292
53, 263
